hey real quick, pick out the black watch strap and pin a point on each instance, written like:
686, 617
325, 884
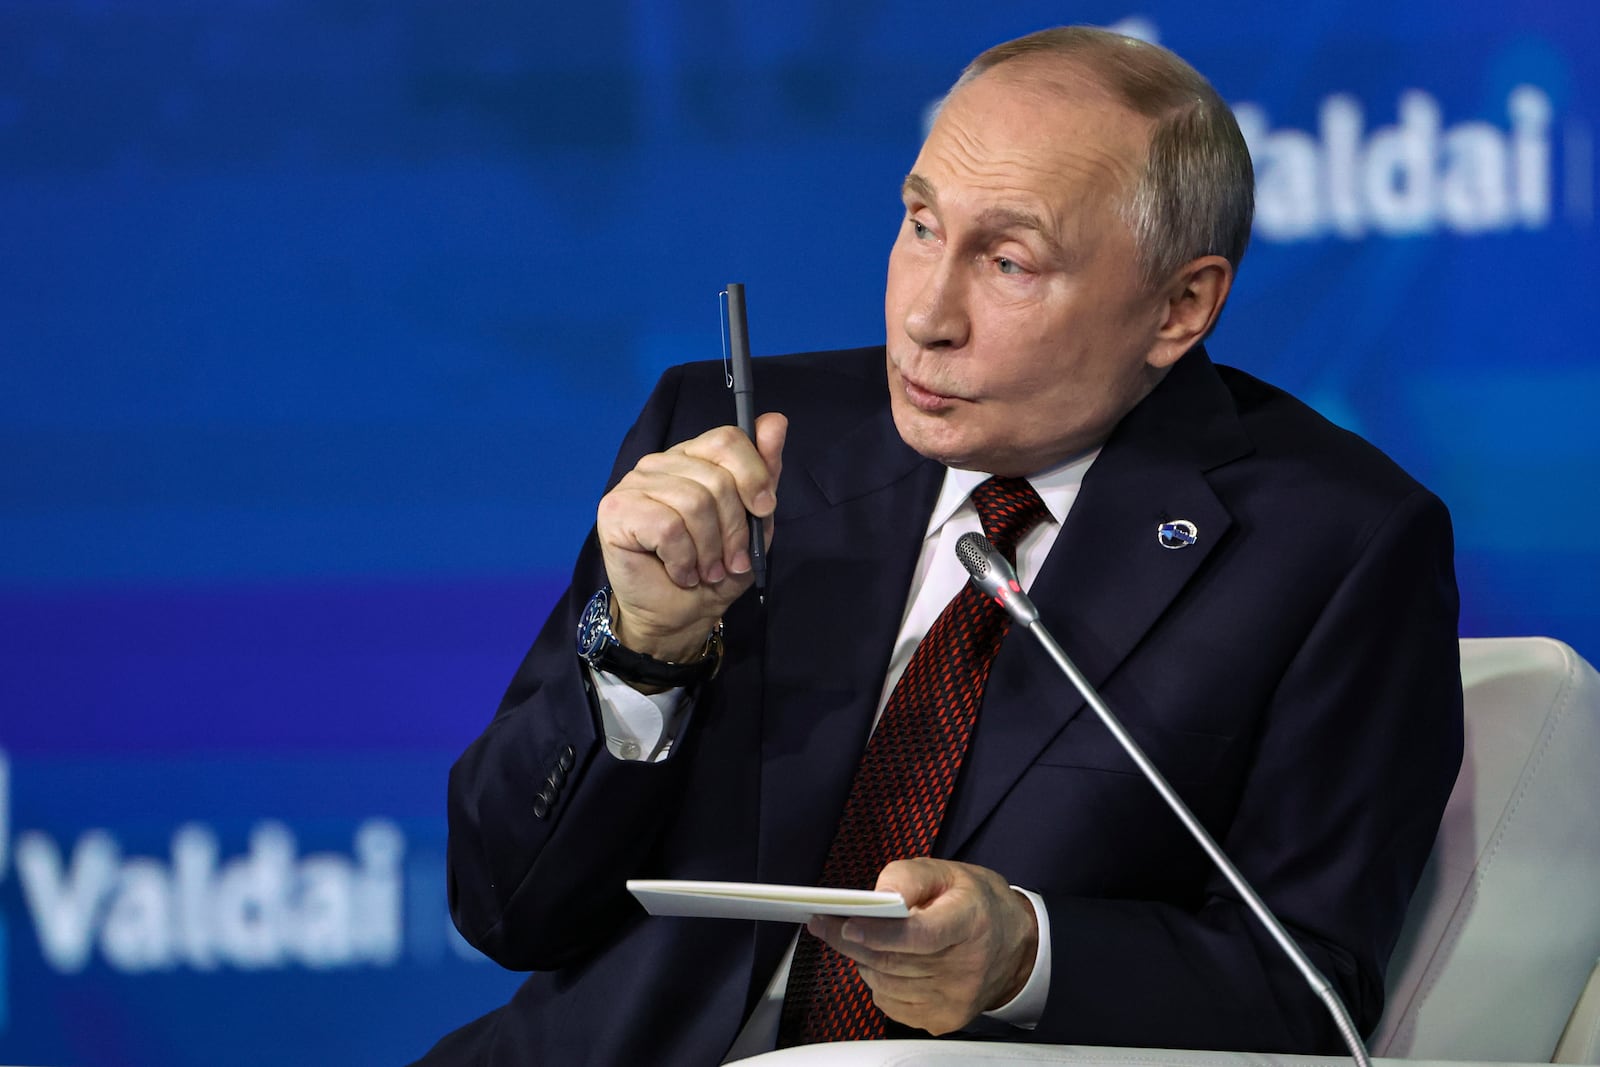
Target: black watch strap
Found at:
599, 648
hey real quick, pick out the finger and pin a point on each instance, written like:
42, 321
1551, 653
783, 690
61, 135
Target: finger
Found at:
665, 507
895, 966
919, 1003
824, 927
719, 522
854, 953
918, 881
727, 447
743, 479
901, 966
907, 989
827, 930
756, 466
772, 430
889, 935
941, 915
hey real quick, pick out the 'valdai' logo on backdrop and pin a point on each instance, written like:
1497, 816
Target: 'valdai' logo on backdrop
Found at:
271, 907
1416, 176
267, 908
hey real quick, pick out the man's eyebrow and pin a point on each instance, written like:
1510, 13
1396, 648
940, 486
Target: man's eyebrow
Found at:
919, 188
1001, 219
996, 219
993, 220
1007, 221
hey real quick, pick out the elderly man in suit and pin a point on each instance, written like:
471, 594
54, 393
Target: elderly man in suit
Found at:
1267, 601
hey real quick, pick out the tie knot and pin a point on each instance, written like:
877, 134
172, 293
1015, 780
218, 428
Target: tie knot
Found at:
1008, 509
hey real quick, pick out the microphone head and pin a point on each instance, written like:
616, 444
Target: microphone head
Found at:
974, 552
995, 578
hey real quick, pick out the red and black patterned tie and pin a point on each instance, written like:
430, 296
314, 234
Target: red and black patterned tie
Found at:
905, 778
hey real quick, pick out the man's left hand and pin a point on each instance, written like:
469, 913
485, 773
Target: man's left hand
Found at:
967, 947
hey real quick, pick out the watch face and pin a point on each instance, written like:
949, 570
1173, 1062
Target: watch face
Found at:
594, 626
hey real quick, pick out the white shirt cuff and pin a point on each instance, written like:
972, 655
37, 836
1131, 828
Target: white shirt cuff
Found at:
1026, 1008
638, 726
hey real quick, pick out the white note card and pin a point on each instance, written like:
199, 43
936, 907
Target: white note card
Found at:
754, 900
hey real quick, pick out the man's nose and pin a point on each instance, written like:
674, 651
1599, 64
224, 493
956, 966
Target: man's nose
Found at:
937, 317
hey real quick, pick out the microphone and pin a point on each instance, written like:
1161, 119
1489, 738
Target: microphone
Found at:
992, 576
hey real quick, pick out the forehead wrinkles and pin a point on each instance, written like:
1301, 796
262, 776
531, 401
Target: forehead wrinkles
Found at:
1051, 147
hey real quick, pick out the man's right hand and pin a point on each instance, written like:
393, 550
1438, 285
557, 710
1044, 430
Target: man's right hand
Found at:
675, 536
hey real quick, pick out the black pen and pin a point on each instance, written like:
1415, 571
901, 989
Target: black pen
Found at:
744, 408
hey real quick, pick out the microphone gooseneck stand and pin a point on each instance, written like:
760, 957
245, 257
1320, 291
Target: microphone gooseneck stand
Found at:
994, 577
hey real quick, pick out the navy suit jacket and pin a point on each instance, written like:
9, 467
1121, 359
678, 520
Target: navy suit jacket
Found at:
1294, 674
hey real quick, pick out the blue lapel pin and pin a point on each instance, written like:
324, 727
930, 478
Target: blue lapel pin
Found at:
1180, 533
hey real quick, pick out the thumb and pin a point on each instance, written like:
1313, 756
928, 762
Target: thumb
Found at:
772, 429
918, 881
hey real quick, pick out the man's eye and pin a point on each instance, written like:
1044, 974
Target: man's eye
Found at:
922, 232
1008, 266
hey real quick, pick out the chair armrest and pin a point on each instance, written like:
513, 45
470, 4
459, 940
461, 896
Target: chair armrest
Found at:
1581, 1041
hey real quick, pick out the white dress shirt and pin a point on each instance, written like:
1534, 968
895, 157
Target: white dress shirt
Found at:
641, 727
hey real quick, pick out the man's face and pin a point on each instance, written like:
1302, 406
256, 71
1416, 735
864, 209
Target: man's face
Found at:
1019, 331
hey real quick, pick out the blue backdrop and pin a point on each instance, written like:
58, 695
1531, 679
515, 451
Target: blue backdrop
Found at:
320, 322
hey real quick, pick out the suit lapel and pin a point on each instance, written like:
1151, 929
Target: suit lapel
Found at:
1107, 580
860, 510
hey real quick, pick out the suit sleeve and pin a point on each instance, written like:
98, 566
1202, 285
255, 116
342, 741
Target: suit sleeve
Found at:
545, 826
1355, 759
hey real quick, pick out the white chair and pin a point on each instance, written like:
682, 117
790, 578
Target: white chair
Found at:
1504, 932
1497, 961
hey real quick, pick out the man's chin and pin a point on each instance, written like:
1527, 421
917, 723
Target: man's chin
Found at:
955, 450
930, 436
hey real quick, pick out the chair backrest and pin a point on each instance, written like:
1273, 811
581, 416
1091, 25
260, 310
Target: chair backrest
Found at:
1504, 930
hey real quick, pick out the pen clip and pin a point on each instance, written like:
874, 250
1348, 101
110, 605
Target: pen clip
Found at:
722, 321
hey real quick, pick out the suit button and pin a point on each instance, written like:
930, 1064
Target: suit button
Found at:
557, 779
541, 806
569, 756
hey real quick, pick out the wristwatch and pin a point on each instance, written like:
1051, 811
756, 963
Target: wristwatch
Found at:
599, 648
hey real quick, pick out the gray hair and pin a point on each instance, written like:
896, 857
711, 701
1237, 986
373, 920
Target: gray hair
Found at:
1196, 196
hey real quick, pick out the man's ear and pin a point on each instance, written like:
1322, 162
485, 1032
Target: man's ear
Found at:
1194, 298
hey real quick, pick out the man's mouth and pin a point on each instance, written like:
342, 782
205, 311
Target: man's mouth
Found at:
923, 398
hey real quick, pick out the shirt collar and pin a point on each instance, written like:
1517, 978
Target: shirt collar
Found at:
1057, 487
